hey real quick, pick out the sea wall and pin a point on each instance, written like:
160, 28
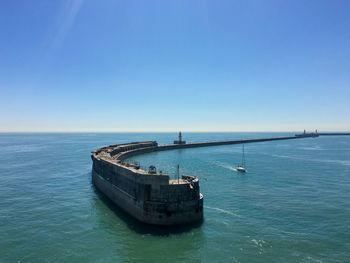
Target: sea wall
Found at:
128, 154
149, 198
153, 198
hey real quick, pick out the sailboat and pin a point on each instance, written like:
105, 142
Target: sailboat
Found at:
241, 167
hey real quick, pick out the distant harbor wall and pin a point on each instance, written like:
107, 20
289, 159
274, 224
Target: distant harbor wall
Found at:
167, 147
334, 133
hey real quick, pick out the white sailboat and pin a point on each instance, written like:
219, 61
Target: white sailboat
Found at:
241, 167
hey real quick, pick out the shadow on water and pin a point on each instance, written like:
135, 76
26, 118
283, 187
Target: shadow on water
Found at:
140, 227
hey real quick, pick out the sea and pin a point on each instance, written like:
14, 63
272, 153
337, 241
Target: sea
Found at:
292, 205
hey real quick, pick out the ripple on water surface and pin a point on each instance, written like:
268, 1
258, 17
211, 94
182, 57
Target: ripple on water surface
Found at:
291, 206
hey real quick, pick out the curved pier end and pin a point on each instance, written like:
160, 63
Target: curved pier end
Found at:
149, 196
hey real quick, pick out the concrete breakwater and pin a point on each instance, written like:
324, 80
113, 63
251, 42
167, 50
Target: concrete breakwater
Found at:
212, 143
334, 133
151, 196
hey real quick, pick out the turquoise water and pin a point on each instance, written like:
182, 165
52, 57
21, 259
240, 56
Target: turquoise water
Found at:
293, 205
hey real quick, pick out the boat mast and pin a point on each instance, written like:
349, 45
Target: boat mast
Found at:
243, 157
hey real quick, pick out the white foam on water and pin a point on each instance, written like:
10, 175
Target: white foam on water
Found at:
226, 166
222, 211
231, 168
311, 148
311, 259
259, 242
255, 241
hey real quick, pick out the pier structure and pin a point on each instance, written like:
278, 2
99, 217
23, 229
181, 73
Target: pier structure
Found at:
334, 133
317, 134
152, 196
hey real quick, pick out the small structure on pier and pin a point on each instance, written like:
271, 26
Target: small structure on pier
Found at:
307, 134
179, 141
152, 169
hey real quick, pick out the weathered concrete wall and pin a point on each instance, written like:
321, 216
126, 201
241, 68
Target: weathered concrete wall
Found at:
149, 198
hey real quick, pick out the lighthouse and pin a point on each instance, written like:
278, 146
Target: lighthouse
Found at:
179, 140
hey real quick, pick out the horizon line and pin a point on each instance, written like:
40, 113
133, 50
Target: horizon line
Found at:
183, 131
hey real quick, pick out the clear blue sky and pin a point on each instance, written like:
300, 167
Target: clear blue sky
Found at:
174, 65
